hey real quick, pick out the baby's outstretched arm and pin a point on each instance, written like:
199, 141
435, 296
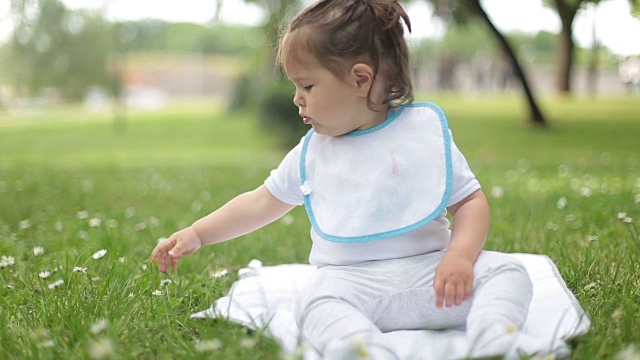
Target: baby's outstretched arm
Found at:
454, 275
241, 215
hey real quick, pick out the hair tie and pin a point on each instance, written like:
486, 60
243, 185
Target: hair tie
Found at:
388, 12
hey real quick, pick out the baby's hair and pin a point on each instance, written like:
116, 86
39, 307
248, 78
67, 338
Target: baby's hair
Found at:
341, 33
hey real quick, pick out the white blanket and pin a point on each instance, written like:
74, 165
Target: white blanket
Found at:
264, 298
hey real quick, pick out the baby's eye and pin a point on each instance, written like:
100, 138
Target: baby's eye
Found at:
308, 88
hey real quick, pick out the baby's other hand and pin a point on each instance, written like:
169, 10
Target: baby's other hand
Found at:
181, 243
453, 282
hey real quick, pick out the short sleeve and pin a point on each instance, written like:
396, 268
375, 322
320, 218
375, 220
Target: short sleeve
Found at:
284, 181
464, 181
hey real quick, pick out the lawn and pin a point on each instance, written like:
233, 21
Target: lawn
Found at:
71, 185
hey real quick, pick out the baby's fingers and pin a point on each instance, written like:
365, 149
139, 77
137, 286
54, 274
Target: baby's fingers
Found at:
439, 289
449, 294
468, 290
460, 293
161, 256
159, 260
162, 260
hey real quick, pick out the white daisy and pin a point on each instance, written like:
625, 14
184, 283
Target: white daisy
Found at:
219, 273
629, 353
101, 349
562, 203
510, 329
140, 226
248, 343
100, 254
617, 315
497, 192
153, 221
585, 192
25, 224
38, 250
46, 344
99, 326
287, 220
56, 283
80, 269
208, 345
130, 212
95, 222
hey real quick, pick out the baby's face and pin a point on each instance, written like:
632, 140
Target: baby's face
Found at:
333, 106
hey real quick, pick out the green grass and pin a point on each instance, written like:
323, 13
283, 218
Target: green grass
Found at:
63, 171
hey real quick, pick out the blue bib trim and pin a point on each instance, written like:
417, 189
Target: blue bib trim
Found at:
393, 115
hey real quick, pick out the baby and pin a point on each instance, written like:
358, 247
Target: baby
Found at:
377, 174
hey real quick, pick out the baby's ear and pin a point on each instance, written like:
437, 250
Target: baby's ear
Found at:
363, 76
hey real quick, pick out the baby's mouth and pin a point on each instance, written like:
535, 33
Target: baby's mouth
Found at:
306, 120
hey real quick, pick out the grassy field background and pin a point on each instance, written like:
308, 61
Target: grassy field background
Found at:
70, 186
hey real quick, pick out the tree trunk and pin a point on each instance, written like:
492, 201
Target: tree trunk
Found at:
567, 12
118, 71
536, 116
594, 57
565, 60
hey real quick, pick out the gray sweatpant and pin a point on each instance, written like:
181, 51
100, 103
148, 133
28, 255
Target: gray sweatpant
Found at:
368, 299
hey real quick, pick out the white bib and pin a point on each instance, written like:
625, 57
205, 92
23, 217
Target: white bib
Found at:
381, 182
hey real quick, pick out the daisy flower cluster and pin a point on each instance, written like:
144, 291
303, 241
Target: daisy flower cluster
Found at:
6, 261
624, 218
56, 284
42, 337
577, 185
99, 220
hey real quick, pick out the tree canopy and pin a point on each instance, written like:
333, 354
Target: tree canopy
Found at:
50, 48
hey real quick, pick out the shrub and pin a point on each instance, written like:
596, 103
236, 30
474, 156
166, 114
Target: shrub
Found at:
279, 115
242, 92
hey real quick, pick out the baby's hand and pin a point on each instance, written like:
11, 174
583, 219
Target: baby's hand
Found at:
181, 243
454, 280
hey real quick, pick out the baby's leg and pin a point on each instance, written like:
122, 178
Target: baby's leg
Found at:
501, 300
331, 318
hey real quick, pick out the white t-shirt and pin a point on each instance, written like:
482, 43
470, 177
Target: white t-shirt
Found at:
379, 193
